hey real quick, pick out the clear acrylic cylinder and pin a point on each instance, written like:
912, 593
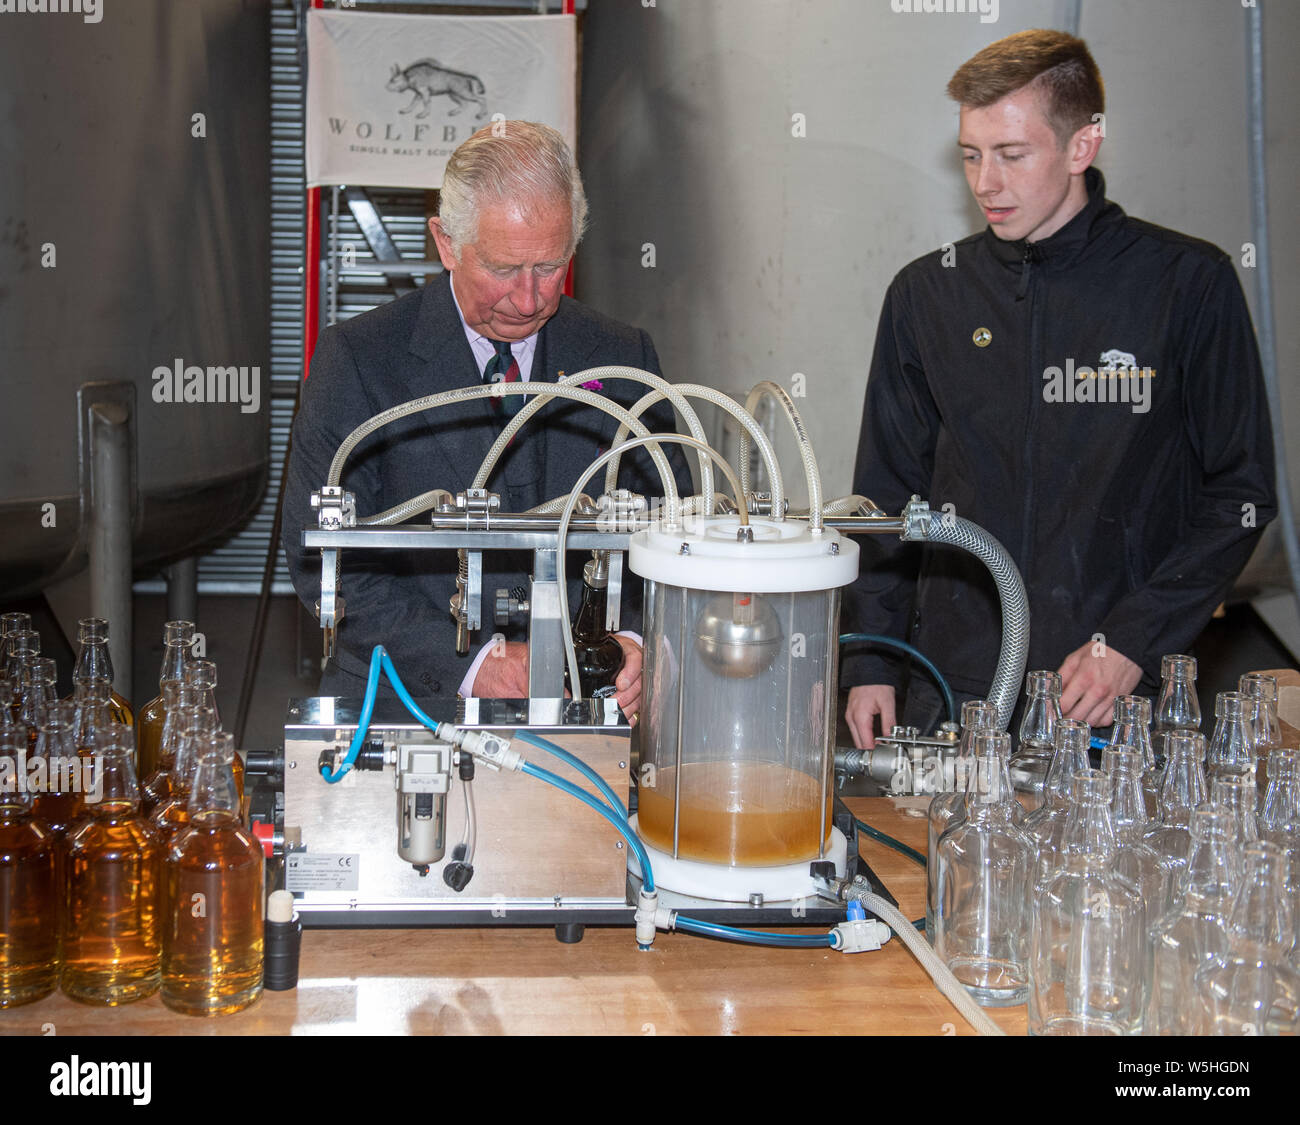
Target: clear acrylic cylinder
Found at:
739, 690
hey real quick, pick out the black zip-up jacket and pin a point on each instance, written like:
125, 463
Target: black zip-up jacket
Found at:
1129, 520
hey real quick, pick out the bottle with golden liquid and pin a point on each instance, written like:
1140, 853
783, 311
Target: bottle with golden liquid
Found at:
94, 663
178, 636
201, 675
111, 947
156, 786
173, 814
29, 945
56, 775
92, 703
212, 933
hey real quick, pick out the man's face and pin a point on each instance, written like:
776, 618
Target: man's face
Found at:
510, 279
1025, 183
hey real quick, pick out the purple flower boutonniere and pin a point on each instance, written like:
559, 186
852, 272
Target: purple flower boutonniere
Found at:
593, 385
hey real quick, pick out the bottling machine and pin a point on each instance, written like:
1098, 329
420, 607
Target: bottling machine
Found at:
720, 804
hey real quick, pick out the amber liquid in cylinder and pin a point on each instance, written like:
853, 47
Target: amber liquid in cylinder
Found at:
29, 945
746, 814
212, 939
111, 944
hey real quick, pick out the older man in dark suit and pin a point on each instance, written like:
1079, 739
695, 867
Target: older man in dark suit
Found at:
511, 213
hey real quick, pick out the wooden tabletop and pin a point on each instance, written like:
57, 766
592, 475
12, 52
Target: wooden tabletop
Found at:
522, 981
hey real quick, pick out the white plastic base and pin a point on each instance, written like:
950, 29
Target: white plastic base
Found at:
736, 884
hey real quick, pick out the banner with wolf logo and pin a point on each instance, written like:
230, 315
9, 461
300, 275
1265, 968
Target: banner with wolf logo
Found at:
389, 97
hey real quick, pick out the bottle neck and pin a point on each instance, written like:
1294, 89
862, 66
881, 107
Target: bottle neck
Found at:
93, 662
173, 662
1261, 925
1128, 807
590, 622
1211, 876
1183, 789
1178, 706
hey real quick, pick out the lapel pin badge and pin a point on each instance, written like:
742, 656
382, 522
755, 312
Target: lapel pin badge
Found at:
982, 337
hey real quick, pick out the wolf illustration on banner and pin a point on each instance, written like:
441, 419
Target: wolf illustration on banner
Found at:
427, 78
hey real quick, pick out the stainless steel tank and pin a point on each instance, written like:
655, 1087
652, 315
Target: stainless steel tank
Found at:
132, 235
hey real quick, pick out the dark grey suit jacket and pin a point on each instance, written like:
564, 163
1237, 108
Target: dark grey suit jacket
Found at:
416, 346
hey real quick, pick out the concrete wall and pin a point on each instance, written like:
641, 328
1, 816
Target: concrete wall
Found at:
773, 252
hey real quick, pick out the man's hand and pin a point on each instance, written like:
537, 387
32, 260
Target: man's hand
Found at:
1090, 683
866, 702
504, 674
628, 680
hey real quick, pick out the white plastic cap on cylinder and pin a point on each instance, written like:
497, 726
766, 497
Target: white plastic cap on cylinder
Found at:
782, 557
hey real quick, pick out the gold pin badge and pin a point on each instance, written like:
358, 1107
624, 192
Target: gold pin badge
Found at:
982, 337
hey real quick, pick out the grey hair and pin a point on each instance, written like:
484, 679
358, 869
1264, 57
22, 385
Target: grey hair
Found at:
509, 162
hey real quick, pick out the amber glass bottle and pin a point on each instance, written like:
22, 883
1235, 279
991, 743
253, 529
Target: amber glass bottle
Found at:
29, 945
156, 787
178, 636
57, 769
173, 813
212, 933
111, 948
600, 656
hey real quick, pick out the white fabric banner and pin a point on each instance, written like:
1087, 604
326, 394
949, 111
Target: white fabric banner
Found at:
389, 97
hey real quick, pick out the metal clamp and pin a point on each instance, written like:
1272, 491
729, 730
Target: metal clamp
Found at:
619, 510
335, 508
478, 504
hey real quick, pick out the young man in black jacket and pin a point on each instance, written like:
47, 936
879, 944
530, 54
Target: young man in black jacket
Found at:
1082, 384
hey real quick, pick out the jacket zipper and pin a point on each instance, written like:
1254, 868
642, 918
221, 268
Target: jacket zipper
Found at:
1035, 345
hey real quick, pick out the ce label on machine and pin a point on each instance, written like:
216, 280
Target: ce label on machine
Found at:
322, 871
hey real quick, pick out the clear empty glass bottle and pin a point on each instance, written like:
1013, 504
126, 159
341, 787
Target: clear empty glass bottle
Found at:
1177, 707
1033, 756
111, 949
94, 663
178, 636
1251, 990
12, 623
1132, 728
29, 888
976, 715
1279, 816
23, 644
38, 693
982, 910
1182, 791
1261, 688
1231, 749
10, 700
1236, 793
1045, 826
212, 938
1087, 951
1196, 931
1135, 859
